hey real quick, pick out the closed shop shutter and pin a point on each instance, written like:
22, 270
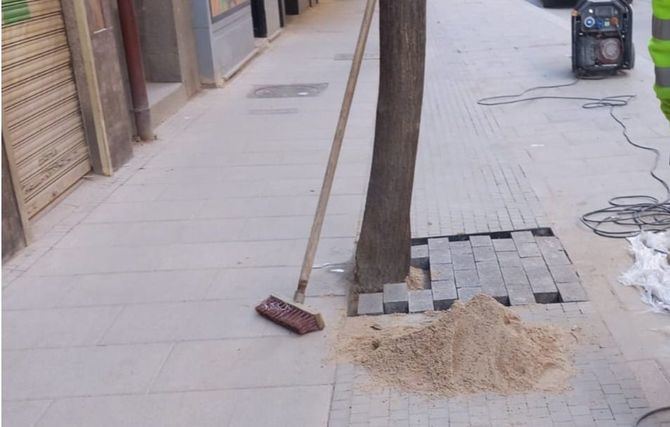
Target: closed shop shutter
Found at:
40, 103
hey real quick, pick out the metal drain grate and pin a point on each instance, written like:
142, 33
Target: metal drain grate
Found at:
515, 268
299, 90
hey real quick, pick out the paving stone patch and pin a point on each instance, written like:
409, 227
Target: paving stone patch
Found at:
515, 268
603, 390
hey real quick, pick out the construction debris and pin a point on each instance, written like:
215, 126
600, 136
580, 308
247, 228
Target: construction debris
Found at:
480, 346
650, 273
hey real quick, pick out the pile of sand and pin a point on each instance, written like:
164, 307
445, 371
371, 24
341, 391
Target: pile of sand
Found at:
416, 279
480, 346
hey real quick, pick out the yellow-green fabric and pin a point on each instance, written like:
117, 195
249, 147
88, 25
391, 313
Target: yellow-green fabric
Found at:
660, 51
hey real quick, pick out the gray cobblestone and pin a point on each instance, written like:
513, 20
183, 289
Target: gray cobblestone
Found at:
504, 245
509, 259
528, 250
466, 294
563, 273
444, 294
395, 298
514, 276
420, 301
571, 292
466, 278
463, 261
370, 304
477, 241
442, 272
523, 237
438, 250
555, 258
420, 256
484, 253
460, 247
520, 294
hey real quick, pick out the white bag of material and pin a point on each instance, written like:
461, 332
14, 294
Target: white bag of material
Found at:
650, 273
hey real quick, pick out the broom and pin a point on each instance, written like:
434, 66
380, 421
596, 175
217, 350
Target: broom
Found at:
293, 314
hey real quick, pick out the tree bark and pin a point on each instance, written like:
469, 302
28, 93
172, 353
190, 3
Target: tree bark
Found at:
383, 252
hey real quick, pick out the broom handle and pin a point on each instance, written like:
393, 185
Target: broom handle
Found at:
335, 149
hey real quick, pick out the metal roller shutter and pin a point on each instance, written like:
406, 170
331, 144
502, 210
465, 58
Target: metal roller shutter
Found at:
40, 103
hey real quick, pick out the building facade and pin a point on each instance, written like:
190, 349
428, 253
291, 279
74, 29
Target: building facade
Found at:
69, 84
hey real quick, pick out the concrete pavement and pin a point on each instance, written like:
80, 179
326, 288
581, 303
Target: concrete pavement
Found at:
134, 304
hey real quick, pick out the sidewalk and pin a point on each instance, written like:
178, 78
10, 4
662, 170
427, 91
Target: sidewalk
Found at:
134, 306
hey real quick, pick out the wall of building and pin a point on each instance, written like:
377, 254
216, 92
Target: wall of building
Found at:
223, 45
168, 44
12, 229
112, 82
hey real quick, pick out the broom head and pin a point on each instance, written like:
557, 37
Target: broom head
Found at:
297, 317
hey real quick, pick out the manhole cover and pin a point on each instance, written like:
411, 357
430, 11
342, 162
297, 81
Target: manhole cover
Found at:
299, 90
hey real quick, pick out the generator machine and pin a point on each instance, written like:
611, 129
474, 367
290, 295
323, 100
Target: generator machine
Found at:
602, 37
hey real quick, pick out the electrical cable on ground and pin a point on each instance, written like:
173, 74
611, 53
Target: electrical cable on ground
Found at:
650, 413
626, 216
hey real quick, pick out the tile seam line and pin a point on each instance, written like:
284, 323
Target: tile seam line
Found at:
168, 392
44, 412
158, 372
154, 343
210, 219
151, 303
204, 242
223, 268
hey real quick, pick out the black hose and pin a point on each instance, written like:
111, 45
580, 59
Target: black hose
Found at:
626, 216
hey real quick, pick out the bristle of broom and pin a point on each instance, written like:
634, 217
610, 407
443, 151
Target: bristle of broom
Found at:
292, 315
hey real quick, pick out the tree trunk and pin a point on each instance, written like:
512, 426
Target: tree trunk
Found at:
383, 252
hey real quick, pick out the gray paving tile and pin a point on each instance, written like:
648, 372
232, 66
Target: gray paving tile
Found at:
140, 287
514, 276
528, 250
563, 273
242, 363
466, 294
438, 250
523, 237
24, 412
419, 256
395, 297
81, 371
444, 294
476, 241
467, 278
189, 321
509, 259
66, 327
484, 253
420, 301
571, 292
370, 304
504, 245
463, 261
207, 408
35, 292
460, 247
440, 272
